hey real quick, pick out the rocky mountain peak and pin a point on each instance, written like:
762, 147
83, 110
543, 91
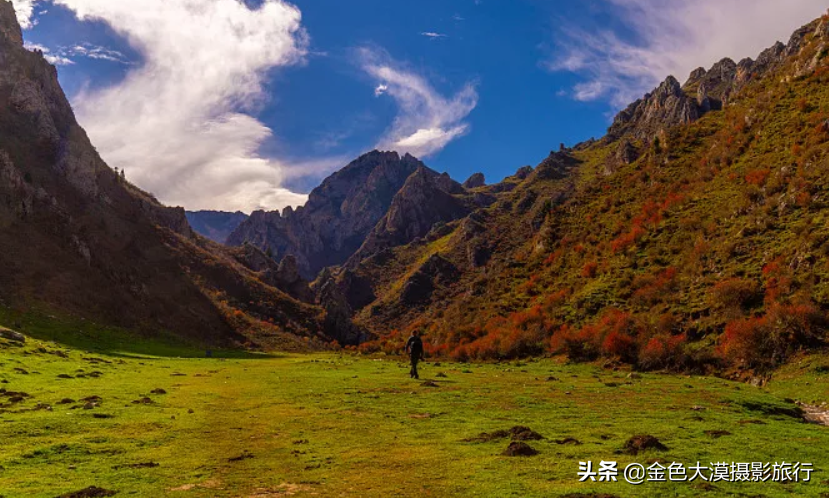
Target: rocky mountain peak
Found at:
475, 181
338, 216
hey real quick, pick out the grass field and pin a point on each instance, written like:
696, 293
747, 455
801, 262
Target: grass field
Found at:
343, 425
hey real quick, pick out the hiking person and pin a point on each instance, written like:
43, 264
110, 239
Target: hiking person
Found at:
414, 348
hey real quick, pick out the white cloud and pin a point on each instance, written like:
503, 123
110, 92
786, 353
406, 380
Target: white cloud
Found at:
432, 34
381, 89
25, 10
427, 121
179, 123
56, 59
95, 52
672, 37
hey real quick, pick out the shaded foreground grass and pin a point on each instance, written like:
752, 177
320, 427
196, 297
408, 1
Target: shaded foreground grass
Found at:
340, 425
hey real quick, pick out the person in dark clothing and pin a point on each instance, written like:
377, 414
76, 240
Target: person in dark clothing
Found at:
414, 348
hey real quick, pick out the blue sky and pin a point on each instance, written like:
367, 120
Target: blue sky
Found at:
217, 104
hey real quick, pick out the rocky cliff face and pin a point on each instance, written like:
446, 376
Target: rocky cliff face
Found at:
425, 201
339, 214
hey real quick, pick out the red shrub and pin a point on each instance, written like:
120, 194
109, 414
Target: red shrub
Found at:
618, 344
765, 342
651, 289
757, 177
589, 270
735, 293
662, 351
624, 241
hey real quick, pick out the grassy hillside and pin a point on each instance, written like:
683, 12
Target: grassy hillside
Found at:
707, 251
342, 425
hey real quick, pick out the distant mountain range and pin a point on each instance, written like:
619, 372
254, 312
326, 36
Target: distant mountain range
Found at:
215, 225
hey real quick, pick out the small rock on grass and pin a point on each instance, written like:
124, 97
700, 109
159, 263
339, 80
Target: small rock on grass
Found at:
518, 448
158, 391
244, 456
90, 492
568, 440
429, 383
11, 335
717, 434
643, 442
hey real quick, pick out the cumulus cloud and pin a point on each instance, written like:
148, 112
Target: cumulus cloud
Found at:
432, 35
427, 121
671, 37
180, 123
25, 13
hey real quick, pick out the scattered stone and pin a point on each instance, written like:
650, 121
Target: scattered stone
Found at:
751, 421
66, 401
420, 415
21, 371
429, 383
90, 405
552, 379
90, 492
143, 401
102, 415
178, 374
642, 443
158, 391
17, 399
92, 399
488, 436
521, 433
95, 374
698, 408
519, 449
11, 335
43, 406
65, 376
440, 375
717, 434
612, 384
571, 440
244, 456
634, 375
190, 411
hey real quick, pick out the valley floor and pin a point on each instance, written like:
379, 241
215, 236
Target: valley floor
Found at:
342, 425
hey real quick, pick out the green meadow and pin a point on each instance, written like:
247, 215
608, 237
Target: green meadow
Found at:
149, 418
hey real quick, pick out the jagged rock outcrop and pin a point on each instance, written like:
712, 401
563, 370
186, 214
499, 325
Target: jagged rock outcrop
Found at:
341, 296
523, 172
338, 216
705, 91
283, 276
475, 181
9, 28
424, 201
665, 107
215, 225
